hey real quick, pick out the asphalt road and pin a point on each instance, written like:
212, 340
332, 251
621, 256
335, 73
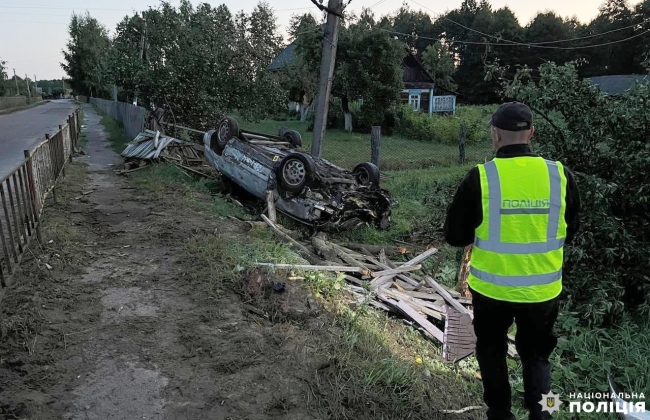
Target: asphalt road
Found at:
25, 129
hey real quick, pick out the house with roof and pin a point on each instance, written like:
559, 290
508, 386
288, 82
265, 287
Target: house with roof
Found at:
418, 84
618, 84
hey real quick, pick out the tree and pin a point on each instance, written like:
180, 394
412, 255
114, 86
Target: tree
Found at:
439, 62
3, 76
618, 58
369, 66
86, 55
417, 26
300, 78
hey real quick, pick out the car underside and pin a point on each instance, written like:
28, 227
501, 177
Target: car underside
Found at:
308, 189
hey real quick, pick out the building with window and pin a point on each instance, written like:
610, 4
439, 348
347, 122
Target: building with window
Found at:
418, 83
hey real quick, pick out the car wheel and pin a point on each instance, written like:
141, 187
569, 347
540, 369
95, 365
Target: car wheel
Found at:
295, 172
367, 174
227, 129
293, 137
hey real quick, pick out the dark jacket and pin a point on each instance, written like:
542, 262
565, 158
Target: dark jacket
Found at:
465, 213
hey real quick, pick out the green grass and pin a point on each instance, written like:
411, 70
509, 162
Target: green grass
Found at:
115, 129
201, 194
348, 149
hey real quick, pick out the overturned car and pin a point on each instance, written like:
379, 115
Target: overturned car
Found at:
308, 189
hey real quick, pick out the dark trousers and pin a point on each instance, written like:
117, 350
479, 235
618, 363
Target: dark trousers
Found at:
534, 341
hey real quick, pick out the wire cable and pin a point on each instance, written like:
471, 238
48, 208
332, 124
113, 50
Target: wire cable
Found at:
520, 45
533, 44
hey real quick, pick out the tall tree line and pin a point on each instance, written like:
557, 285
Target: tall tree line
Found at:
467, 31
196, 62
204, 60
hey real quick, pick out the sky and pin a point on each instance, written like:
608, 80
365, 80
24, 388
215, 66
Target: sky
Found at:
33, 32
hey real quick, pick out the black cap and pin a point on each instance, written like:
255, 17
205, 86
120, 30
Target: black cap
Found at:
513, 116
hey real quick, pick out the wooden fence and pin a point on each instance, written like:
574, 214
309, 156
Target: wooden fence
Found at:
23, 192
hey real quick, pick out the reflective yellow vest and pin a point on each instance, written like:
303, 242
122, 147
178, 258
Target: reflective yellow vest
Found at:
518, 248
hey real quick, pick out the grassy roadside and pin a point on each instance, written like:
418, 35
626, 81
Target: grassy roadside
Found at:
380, 355
22, 108
397, 152
378, 366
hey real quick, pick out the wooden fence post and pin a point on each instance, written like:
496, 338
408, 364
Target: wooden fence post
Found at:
32, 193
375, 140
461, 144
53, 154
61, 158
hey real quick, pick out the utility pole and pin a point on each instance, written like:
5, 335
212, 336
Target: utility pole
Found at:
328, 60
29, 93
16, 80
35, 83
143, 37
63, 84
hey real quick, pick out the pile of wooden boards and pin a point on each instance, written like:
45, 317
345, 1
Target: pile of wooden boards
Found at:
151, 146
375, 278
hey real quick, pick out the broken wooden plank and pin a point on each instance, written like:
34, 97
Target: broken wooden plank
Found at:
355, 280
310, 256
446, 296
374, 249
334, 268
415, 304
400, 270
405, 279
376, 283
459, 337
424, 295
420, 320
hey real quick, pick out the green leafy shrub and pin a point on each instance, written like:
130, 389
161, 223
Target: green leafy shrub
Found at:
444, 128
605, 141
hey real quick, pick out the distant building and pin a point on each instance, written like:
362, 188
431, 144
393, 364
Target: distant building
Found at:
418, 84
617, 85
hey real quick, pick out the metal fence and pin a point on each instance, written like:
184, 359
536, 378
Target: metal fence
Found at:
23, 192
132, 117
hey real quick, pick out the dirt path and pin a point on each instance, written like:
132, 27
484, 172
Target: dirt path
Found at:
126, 337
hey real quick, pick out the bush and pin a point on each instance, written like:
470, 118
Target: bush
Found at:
444, 129
604, 140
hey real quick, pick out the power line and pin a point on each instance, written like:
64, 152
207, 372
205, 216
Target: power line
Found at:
518, 45
50, 14
376, 4
62, 8
535, 44
31, 21
36, 59
295, 8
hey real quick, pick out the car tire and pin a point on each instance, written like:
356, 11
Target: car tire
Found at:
293, 137
367, 174
295, 172
226, 130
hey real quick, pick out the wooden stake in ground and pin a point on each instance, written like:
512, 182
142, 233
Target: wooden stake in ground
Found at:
462, 285
270, 202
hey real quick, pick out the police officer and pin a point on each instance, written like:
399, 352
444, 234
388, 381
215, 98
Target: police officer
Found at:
518, 210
